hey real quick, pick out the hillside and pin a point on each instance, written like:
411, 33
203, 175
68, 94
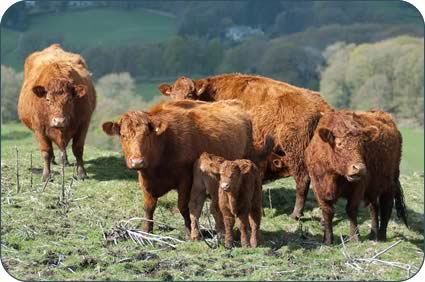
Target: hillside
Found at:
45, 239
90, 28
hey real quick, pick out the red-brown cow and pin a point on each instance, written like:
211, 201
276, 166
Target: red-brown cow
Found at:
356, 155
288, 113
163, 144
56, 102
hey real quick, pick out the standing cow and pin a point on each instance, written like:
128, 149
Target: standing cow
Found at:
288, 113
56, 102
356, 155
164, 143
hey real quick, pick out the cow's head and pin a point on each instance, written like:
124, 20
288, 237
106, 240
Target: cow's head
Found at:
140, 135
231, 173
210, 164
59, 97
185, 88
346, 139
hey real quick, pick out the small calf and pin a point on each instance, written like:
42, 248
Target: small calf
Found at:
240, 196
356, 155
205, 181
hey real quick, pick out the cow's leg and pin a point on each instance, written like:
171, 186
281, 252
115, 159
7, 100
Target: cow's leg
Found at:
46, 148
254, 222
386, 203
327, 215
302, 184
243, 222
215, 211
352, 208
149, 205
78, 150
183, 203
229, 222
197, 199
374, 209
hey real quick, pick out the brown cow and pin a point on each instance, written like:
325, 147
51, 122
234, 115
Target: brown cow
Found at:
240, 195
163, 144
288, 113
56, 102
356, 155
206, 181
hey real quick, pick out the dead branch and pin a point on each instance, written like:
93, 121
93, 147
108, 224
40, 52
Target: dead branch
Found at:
270, 199
31, 171
18, 188
63, 182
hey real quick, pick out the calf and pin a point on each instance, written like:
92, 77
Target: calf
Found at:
56, 102
356, 155
163, 144
206, 180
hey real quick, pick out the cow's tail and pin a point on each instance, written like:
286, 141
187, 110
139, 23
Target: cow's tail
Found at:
262, 153
400, 205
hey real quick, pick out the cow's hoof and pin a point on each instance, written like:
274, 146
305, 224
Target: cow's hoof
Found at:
54, 162
372, 236
228, 245
81, 174
45, 177
296, 215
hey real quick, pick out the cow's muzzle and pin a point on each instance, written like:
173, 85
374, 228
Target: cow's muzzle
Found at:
58, 122
356, 172
136, 163
225, 187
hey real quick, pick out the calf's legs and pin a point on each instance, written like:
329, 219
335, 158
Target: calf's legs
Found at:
302, 185
229, 222
243, 227
197, 199
46, 148
78, 150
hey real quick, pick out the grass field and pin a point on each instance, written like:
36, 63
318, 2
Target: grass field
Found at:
44, 239
91, 28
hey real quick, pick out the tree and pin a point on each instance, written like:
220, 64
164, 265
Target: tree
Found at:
11, 82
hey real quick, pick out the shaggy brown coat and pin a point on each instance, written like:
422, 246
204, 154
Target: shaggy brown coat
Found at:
163, 144
56, 102
288, 113
356, 155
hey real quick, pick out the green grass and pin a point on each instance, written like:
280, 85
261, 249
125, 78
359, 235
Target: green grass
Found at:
413, 150
94, 27
45, 240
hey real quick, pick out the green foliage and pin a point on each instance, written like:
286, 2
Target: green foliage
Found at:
386, 75
45, 240
10, 88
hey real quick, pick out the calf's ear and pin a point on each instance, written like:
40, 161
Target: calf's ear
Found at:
39, 90
111, 128
80, 90
200, 86
165, 89
371, 133
245, 167
327, 136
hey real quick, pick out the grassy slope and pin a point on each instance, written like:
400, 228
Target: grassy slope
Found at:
42, 240
95, 27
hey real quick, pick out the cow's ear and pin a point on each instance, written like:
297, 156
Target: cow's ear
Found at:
159, 126
80, 90
39, 90
277, 163
327, 136
165, 89
370, 133
200, 86
111, 128
245, 167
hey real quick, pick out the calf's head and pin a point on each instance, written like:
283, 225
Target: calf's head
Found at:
210, 164
59, 97
184, 88
346, 141
140, 136
231, 173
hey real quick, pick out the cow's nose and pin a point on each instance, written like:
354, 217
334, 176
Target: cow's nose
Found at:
137, 162
225, 186
358, 169
58, 122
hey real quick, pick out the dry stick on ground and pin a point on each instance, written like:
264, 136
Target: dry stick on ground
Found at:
45, 183
270, 199
18, 188
63, 182
31, 171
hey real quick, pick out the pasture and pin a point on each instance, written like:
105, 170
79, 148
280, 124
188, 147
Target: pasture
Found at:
44, 238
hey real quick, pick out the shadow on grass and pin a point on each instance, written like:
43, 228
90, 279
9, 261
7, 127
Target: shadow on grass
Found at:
15, 135
283, 200
109, 168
